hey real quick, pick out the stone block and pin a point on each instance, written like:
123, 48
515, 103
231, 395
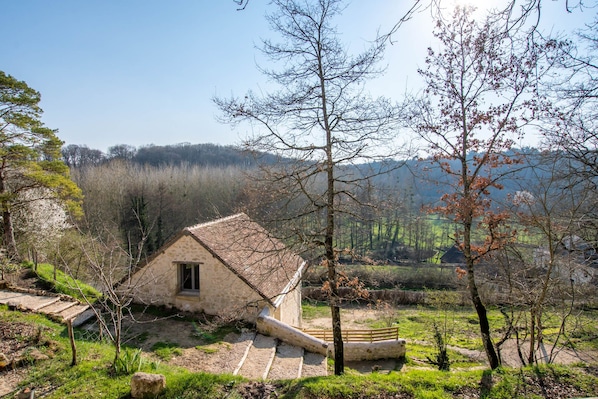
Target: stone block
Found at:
146, 385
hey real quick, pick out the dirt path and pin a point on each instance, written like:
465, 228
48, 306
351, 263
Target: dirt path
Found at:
197, 354
561, 356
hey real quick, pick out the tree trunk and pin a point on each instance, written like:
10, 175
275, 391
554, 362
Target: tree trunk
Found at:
117, 333
339, 350
532, 338
339, 356
481, 312
476, 300
69, 324
10, 243
9, 235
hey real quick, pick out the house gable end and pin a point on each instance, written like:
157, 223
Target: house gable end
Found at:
227, 265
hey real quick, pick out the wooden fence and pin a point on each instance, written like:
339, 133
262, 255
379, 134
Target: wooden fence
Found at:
372, 335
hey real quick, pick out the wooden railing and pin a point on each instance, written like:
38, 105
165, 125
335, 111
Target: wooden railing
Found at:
373, 335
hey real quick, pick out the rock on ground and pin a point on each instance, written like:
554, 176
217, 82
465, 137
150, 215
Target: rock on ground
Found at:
145, 385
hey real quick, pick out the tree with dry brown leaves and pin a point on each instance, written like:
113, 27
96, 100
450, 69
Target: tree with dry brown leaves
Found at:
480, 94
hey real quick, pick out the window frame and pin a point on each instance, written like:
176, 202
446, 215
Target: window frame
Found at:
195, 277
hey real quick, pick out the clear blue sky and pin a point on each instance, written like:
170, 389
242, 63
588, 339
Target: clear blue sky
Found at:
144, 71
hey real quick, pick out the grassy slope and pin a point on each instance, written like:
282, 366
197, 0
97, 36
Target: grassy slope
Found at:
92, 376
415, 325
65, 284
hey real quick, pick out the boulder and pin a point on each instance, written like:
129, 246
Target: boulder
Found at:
146, 385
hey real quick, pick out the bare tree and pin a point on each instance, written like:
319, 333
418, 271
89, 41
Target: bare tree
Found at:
80, 156
480, 93
572, 127
165, 197
108, 266
512, 15
242, 4
124, 152
320, 123
546, 275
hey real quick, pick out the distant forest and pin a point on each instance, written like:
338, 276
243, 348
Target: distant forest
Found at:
155, 191
81, 156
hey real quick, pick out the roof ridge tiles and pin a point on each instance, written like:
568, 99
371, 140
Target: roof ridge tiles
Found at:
213, 222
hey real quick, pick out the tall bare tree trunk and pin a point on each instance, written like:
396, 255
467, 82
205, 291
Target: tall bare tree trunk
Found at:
477, 301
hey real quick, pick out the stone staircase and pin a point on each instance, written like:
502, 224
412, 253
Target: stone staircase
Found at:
269, 358
57, 307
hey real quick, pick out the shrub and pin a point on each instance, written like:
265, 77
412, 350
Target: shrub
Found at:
130, 361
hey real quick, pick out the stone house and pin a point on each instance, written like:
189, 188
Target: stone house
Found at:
231, 267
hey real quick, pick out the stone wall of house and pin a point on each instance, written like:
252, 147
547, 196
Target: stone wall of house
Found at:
289, 311
221, 291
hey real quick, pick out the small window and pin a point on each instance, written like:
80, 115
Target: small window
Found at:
189, 277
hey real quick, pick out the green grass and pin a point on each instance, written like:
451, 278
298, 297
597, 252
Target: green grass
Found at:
428, 384
93, 376
207, 349
65, 284
414, 323
462, 322
166, 350
315, 310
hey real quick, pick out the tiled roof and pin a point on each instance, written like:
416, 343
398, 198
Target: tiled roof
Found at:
250, 252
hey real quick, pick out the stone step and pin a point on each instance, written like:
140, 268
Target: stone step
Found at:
8, 296
287, 363
256, 364
57, 307
27, 301
314, 365
246, 341
84, 317
72, 312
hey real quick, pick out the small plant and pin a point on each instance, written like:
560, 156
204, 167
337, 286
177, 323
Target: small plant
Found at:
129, 362
441, 359
166, 350
442, 301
